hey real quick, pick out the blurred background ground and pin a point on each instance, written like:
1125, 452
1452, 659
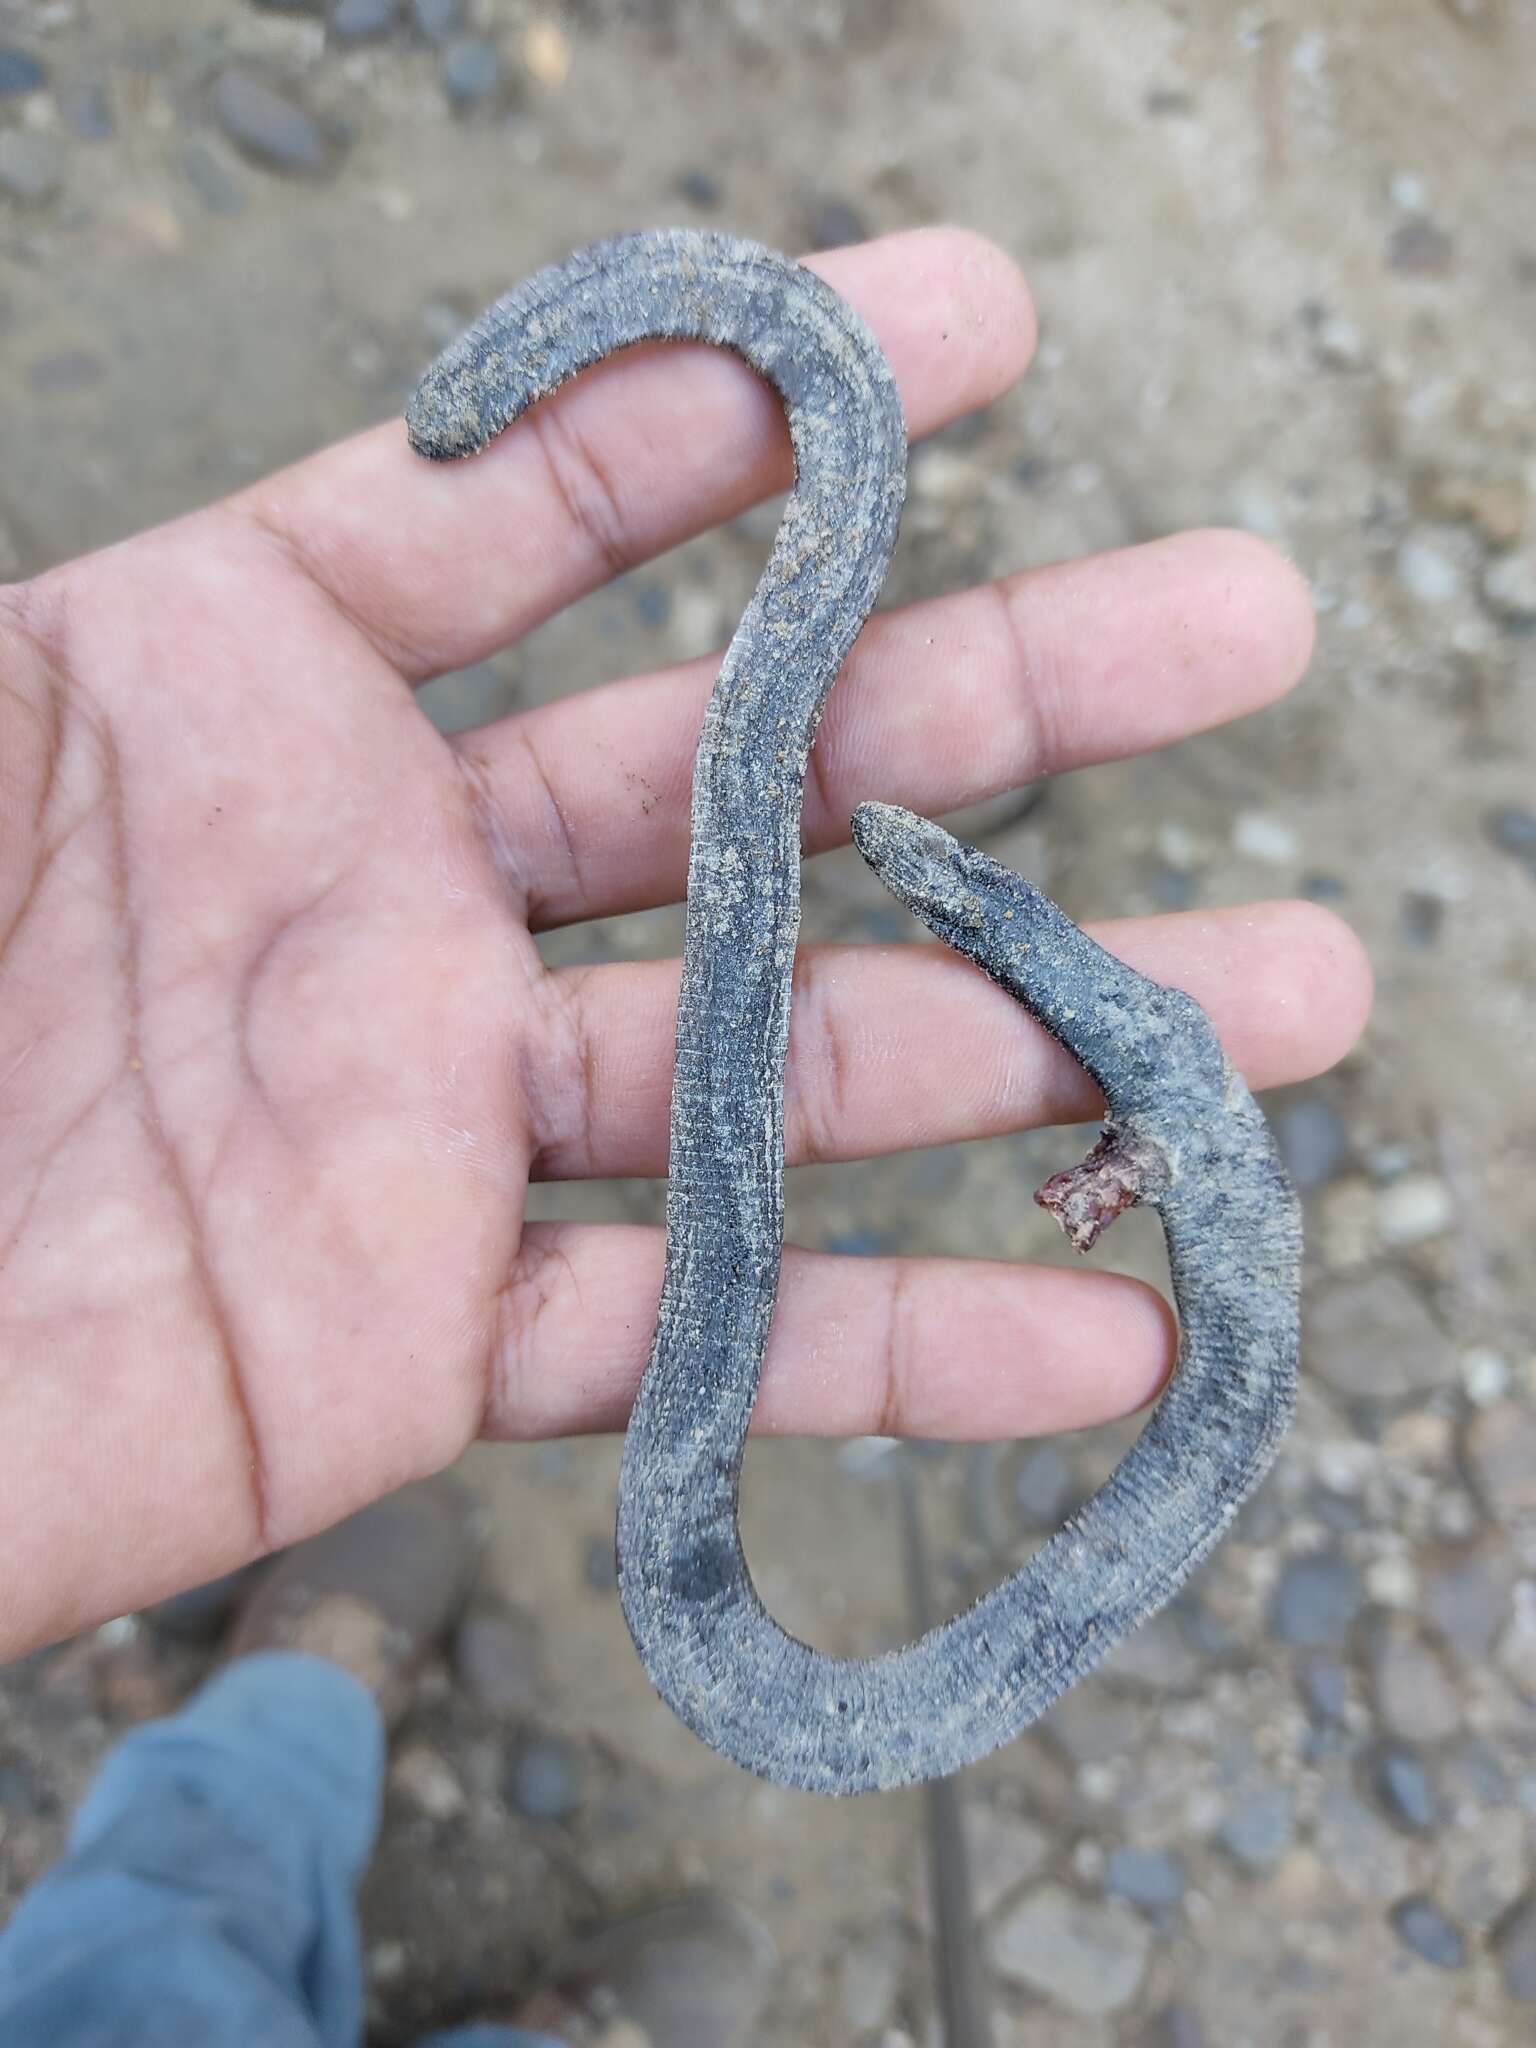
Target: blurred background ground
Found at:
1285, 258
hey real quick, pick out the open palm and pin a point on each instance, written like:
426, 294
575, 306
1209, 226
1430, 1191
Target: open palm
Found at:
278, 1055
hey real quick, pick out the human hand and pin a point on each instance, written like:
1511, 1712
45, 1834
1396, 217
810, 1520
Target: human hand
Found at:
278, 1056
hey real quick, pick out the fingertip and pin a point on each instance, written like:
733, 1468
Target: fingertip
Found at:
1330, 981
1139, 1335
1262, 604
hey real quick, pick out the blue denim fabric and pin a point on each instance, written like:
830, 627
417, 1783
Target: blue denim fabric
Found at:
206, 1895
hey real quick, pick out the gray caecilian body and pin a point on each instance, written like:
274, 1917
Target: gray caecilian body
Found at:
1183, 1134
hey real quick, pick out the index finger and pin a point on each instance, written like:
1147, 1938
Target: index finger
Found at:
442, 564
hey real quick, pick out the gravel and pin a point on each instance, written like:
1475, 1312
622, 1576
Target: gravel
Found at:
1151, 1879
20, 72
31, 166
1420, 1925
266, 126
544, 1780
1258, 1830
1316, 1602
1514, 1944
1373, 1338
1405, 1788
1501, 1459
472, 72
1413, 1692
1088, 1957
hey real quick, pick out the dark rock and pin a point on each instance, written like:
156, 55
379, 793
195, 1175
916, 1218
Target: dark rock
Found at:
69, 369
437, 20
544, 1782
834, 223
1420, 1925
1514, 1945
1405, 1788
1512, 829
653, 602
1374, 1339
31, 166
494, 1661
472, 71
1088, 1957
1260, 1828
1152, 1879
701, 189
268, 128
1313, 1141
1316, 1602
199, 1614
212, 179
1325, 1687
1419, 919
1172, 888
1176, 2026
1320, 888
85, 107
20, 72
361, 21
1420, 249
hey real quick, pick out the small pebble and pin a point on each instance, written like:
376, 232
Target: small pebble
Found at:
1514, 1945
1257, 836
85, 107
31, 166
1392, 1581
1373, 1338
266, 127
546, 54
1340, 344
1509, 588
834, 224
493, 1660
1151, 1879
1312, 1139
1412, 1210
544, 1782
1325, 1687
437, 20
1411, 1688
1420, 1925
20, 72
870, 1970
1501, 1457
1405, 1788
1315, 1602
1259, 1830
212, 179
1418, 248
1512, 829
1085, 1956
701, 189
1427, 573
471, 71
426, 1779
362, 21
1484, 1376
1468, 1602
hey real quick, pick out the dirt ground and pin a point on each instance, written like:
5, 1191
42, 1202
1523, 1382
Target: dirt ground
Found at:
1285, 259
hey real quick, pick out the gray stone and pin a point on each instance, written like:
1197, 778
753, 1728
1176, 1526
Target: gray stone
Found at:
544, 1782
1420, 1925
1152, 1879
20, 72
1414, 1208
1316, 1602
472, 71
1509, 589
362, 21
1158, 1657
1176, 2026
1090, 1958
437, 20
31, 166
267, 127
1405, 1788
85, 107
1090, 1727
1325, 1687
1353, 1840
869, 1974
1374, 1339
1420, 249
493, 1659
700, 188
835, 223
1515, 1947
1313, 1141
1045, 1487
1411, 1688
1512, 829
1500, 1453
1260, 1828
1468, 1602
1427, 572
212, 179
1006, 1850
